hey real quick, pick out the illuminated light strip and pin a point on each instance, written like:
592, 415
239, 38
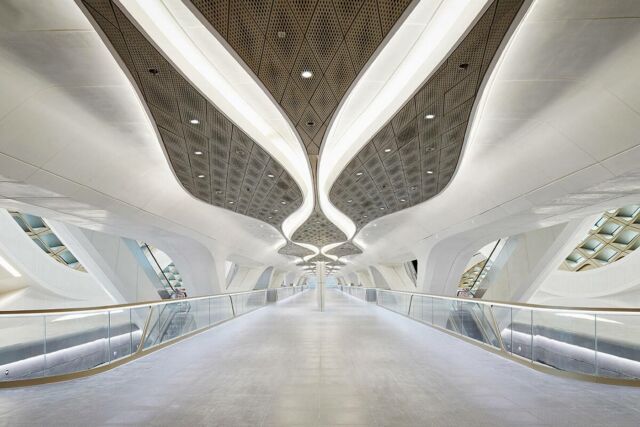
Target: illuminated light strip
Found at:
430, 31
223, 80
5, 264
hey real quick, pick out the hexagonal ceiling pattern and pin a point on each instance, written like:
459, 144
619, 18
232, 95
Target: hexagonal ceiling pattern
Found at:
317, 230
212, 158
414, 155
291, 249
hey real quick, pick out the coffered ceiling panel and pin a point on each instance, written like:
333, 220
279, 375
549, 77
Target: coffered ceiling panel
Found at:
317, 230
414, 155
345, 249
292, 249
213, 159
306, 52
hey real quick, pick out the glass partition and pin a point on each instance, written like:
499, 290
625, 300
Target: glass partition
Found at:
598, 342
49, 342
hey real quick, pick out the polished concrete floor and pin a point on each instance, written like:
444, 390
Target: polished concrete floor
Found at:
289, 364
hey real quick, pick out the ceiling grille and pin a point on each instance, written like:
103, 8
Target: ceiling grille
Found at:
212, 158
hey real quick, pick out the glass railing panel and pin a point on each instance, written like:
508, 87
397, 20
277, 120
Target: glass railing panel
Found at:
565, 340
201, 314
502, 316
120, 327
76, 341
139, 317
618, 344
220, 309
22, 347
521, 333
476, 323
442, 309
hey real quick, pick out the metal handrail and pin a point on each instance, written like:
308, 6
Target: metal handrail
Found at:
595, 310
119, 306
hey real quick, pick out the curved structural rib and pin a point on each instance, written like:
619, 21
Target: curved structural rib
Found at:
212, 158
414, 156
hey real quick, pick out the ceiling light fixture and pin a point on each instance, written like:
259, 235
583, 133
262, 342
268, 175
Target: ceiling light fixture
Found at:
194, 121
429, 172
200, 176
282, 34
269, 217
270, 175
430, 116
283, 202
402, 200
275, 210
358, 173
382, 208
198, 153
349, 201
306, 74
365, 216
387, 150
231, 202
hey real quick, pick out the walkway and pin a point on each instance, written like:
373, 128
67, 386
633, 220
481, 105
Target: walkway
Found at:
355, 364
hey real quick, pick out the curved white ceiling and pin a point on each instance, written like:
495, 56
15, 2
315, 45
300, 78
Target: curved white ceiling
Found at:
416, 49
219, 75
555, 130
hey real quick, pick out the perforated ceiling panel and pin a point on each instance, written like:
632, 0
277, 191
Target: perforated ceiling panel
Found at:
345, 249
319, 231
279, 40
413, 157
213, 159
292, 249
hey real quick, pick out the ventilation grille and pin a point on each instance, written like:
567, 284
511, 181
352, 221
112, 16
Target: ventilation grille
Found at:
413, 157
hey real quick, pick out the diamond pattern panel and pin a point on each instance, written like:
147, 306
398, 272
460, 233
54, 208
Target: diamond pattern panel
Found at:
345, 249
413, 157
211, 157
279, 39
292, 249
319, 231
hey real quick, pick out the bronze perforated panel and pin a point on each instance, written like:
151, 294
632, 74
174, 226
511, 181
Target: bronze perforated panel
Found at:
279, 39
213, 159
345, 249
319, 231
292, 249
413, 157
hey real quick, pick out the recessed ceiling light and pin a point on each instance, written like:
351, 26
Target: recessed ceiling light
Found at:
219, 192
231, 202
402, 200
430, 116
269, 217
387, 150
414, 188
200, 176
358, 173
198, 153
283, 202
382, 208
429, 172
306, 74
270, 175
194, 121
275, 210
349, 201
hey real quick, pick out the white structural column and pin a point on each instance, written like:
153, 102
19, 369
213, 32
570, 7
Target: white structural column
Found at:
320, 271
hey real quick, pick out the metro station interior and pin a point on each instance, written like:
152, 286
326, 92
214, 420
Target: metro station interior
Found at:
319, 212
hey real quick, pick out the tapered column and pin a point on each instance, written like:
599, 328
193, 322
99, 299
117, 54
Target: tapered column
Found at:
320, 271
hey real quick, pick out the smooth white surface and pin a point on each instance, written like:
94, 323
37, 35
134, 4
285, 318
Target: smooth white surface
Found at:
76, 144
555, 137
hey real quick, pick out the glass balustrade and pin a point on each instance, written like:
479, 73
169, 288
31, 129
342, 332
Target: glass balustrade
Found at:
48, 342
597, 342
